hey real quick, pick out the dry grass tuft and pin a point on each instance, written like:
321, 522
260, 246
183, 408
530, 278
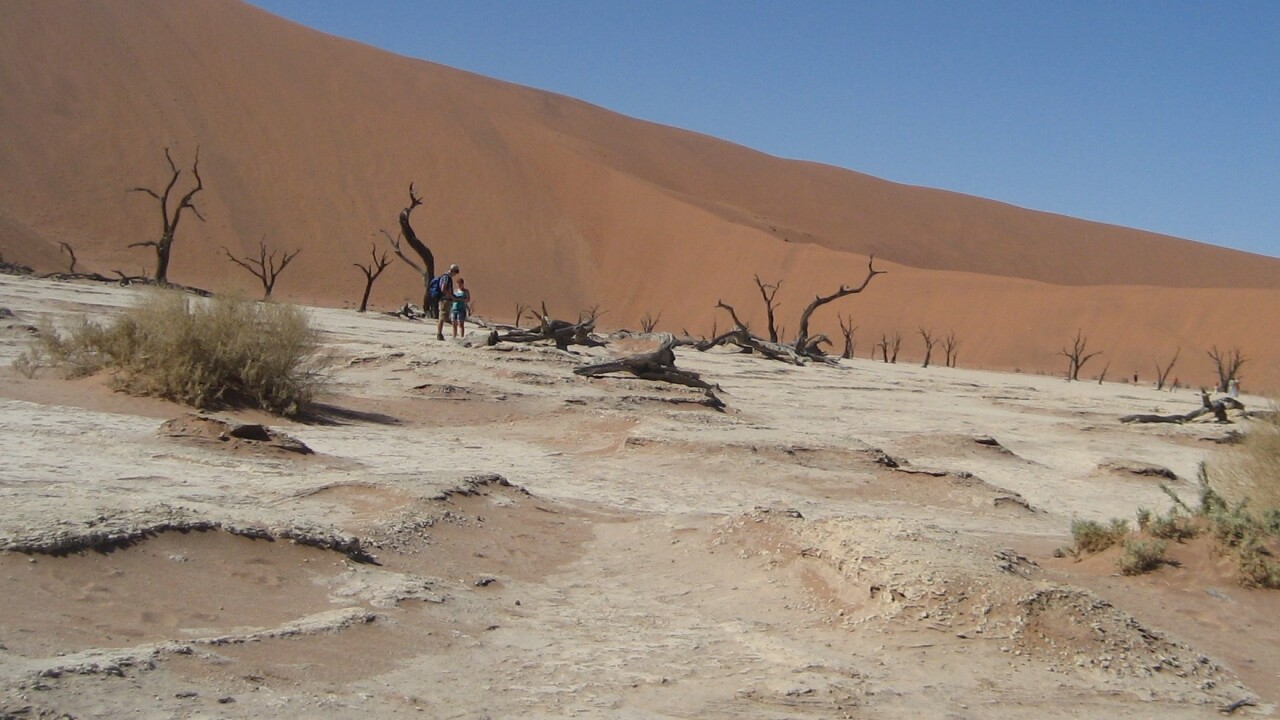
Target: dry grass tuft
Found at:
1092, 537
220, 352
1250, 471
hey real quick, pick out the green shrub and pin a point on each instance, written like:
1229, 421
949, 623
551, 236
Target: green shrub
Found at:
1258, 566
1174, 526
1091, 536
220, 352
1145, 517
1140, 556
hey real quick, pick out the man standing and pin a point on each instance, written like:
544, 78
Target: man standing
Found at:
446, 299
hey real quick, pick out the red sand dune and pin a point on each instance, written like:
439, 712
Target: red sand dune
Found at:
311, 141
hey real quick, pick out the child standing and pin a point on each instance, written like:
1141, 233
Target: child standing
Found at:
461, 306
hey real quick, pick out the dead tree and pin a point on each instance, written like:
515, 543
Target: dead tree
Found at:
767, 293
428, 267
802, 338
1162, 373
658, 366
590, 315
1217, 407
560, 332
1077, 355
377, 263
521, 308
847, 329
1227, 365
813, 347
1103, 376
71, 270
895, 344
264, 266
741, 336
929, 342
950, 348
649, 322
170, 218
883, 345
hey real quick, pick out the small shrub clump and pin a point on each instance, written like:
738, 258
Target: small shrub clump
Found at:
1140, 556
220, 352
29, 362
1092, 536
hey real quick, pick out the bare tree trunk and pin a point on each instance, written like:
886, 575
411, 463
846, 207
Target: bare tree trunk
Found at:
377, 263
1227, 366
649, 322
170, 220
929, 341
847, 329
428, 267
1162, 373
1076, 356
264, 266
767, 293
950, 347
802, 337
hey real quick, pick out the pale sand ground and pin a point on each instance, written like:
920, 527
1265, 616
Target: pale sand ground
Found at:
651, 566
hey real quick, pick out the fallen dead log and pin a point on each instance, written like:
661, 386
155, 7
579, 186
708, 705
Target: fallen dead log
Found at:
657, 366
1217, 407
743, 338
561, 332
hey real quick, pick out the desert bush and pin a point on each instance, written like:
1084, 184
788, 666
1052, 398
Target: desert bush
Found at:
1240, 500
1092, 536
226, 351
1259, 566
1250, 469
1138, 556
29, 362
1174, 526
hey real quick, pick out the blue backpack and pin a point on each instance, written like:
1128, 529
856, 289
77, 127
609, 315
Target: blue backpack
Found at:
436, 288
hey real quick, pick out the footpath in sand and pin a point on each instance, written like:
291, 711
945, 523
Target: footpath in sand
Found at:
480, 533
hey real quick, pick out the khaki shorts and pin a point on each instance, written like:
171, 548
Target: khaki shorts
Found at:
445, 305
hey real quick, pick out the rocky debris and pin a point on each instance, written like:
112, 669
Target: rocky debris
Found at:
120, 661
126, 528
324, 622
474, 485
207, 427
933, 579
989, 442
1135, 467
880, 457
1075, 628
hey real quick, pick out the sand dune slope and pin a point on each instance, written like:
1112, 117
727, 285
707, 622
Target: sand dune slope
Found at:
309, 141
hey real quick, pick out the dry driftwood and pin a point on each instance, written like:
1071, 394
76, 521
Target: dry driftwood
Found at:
742, 337
1217, 407
658, 366
562, 332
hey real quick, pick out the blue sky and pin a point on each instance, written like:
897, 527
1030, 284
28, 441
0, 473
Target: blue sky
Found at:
1162, 115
